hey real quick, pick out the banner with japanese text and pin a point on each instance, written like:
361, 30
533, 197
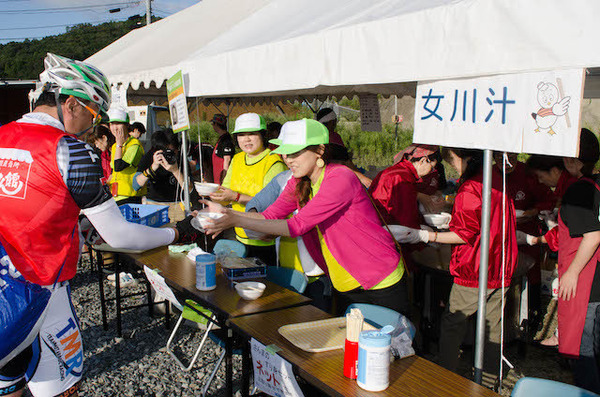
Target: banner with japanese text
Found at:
536, 112
272, 374
178, 103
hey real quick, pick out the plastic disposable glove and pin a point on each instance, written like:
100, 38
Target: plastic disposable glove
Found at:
550, 218
524, 238
407, 235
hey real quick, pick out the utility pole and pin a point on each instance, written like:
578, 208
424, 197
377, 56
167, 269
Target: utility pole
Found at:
148, 12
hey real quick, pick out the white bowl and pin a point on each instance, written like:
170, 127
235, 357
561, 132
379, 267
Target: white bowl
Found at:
205, 188
519, 213
200, 221
438, 220
250, 290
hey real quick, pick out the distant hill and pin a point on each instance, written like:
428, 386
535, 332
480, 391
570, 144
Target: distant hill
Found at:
23, 60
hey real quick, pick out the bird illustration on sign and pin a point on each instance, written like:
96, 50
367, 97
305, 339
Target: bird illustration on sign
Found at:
552, 106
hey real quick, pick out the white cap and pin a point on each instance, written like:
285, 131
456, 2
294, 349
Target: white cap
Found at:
249, 122
118, 114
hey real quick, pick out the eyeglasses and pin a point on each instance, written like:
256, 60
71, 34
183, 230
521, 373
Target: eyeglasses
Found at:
97, 117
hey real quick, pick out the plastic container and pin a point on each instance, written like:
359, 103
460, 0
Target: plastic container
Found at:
206, 272
374, 360
350, 358
146, 214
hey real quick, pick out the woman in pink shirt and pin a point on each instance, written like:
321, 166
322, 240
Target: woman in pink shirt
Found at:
358, 253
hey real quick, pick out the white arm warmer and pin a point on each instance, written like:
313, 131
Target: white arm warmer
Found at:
118, 233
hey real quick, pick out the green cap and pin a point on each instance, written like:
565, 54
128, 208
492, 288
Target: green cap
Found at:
249, 122
296, 135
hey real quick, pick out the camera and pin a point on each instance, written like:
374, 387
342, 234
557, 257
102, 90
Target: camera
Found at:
170, 156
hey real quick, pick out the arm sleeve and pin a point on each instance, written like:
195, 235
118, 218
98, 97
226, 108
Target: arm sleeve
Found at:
121, 165
335, 195
466, 217
552, 239
275, 170
267, 196
118, 233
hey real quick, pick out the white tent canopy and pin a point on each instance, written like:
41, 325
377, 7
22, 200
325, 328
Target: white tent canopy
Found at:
290, 48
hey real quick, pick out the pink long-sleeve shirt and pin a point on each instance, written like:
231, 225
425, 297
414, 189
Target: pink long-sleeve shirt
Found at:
348, 222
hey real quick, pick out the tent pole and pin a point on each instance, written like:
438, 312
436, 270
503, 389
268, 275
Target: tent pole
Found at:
200, 159
483, 263
186, 183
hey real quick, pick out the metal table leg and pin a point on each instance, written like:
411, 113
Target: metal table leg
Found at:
100, 266
246, 368
229, 363
118, 292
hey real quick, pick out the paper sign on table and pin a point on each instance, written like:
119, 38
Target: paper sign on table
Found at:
537, 112
272, 374
161, 287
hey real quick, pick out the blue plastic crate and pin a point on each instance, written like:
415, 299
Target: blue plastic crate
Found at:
146, 214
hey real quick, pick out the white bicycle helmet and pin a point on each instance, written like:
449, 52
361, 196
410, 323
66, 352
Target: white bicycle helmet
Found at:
75, 78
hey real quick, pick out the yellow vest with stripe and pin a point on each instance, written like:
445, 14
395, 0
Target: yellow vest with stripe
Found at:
124, 179
249, 180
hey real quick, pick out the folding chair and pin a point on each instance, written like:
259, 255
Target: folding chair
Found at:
286, 277
189, 313
222, 247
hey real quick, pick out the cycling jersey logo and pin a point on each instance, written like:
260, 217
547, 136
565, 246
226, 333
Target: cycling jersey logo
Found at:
66, 346
15, 165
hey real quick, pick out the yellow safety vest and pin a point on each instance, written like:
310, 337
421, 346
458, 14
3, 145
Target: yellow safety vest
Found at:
249, 180
124, 179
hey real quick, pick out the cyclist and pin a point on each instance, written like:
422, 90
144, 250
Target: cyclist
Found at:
47, 177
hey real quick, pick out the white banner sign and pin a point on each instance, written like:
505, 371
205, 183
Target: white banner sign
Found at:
272, 374
161, 287
527, 112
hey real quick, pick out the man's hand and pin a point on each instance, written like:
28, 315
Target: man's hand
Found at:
567, 285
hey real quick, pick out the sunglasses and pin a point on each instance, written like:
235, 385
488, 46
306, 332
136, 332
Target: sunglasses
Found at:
97, 117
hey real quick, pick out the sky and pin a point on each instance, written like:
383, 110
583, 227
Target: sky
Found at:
34, 19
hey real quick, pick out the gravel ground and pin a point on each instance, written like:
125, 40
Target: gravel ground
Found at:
138, 365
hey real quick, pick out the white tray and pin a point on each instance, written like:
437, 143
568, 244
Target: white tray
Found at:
318, 336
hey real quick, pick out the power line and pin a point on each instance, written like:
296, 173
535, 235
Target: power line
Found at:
56, 26
61, 9
97, 30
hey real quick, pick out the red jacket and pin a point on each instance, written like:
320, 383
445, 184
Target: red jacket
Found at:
106, 168
528, 193
395, 194
38, 216
466, 222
